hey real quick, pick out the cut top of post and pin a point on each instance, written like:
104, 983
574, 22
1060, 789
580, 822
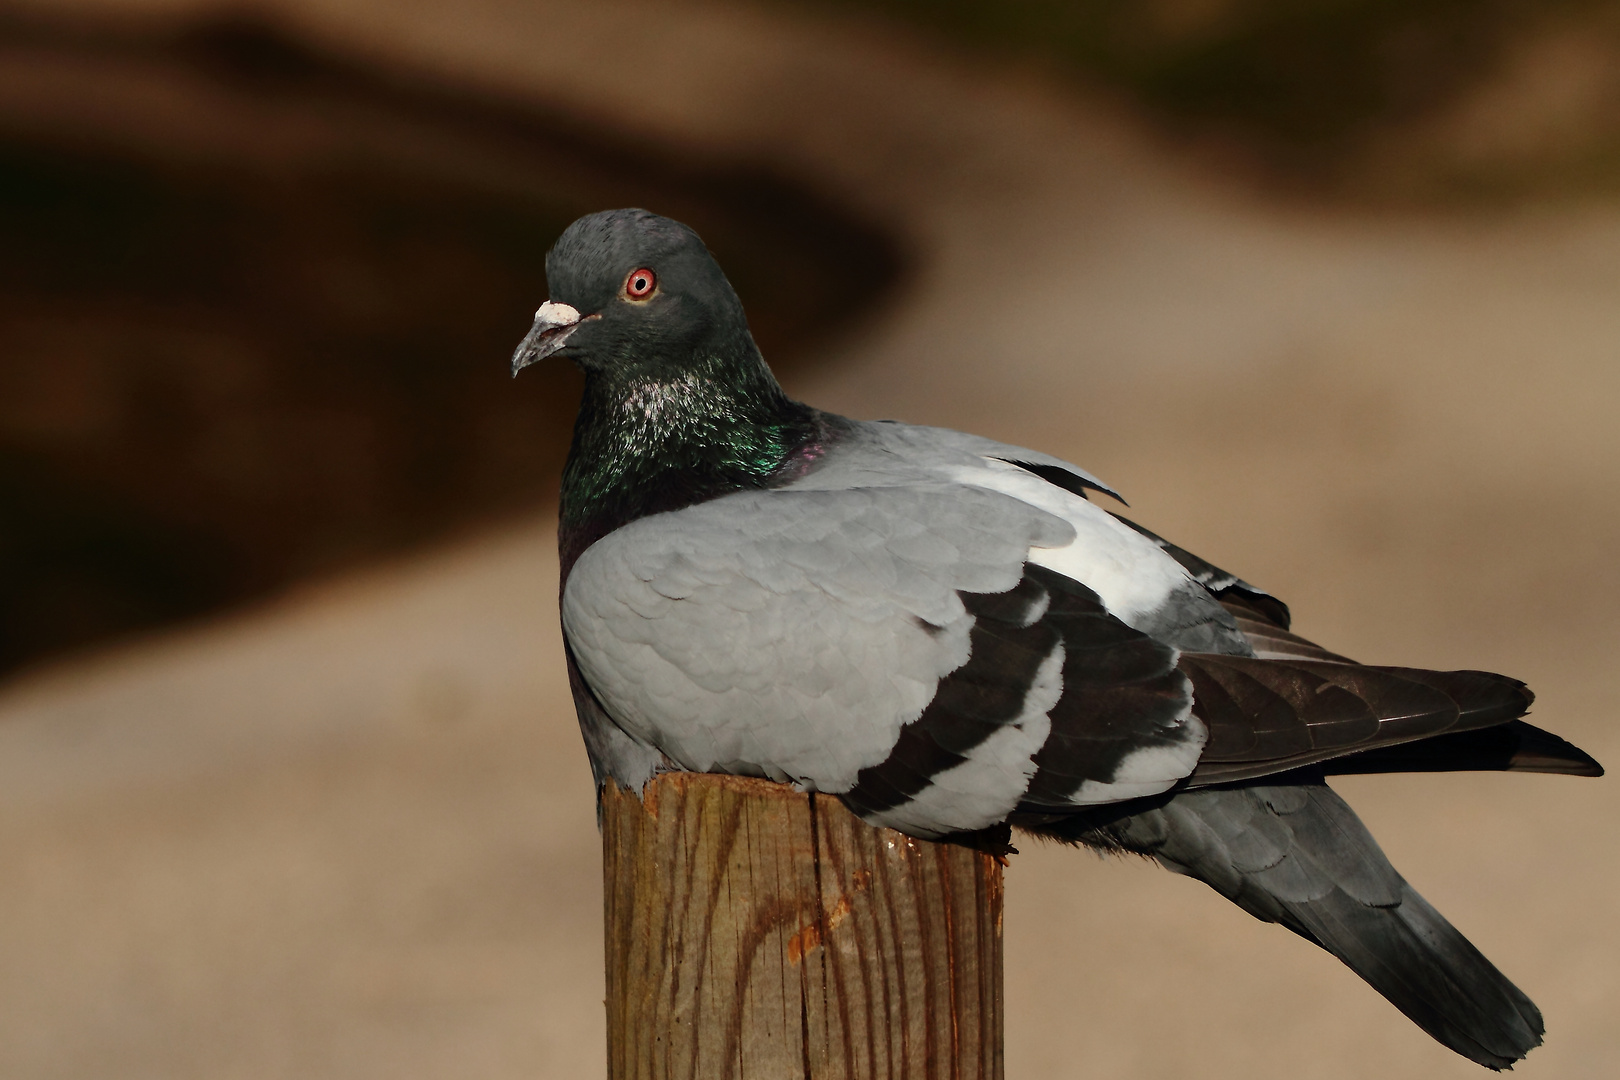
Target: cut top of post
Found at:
755, 931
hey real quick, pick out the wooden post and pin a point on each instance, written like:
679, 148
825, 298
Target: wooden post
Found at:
757, 933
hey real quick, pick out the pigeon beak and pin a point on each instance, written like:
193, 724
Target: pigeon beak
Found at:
553, 325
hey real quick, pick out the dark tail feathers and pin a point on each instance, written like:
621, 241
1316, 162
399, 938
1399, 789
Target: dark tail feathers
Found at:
1298, 855
1429, 971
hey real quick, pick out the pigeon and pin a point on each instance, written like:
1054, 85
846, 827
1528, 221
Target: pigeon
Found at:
956, 638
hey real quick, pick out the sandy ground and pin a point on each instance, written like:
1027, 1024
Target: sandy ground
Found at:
351, 835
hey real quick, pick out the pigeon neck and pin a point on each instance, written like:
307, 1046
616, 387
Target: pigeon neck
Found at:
648, 445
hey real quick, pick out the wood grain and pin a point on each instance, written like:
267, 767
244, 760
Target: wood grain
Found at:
758, 932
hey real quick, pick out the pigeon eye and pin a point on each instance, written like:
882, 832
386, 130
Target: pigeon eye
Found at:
640, 284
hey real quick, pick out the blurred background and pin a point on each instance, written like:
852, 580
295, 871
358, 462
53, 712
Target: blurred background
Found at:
290, 784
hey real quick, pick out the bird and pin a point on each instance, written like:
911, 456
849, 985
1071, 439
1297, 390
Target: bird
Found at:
957, 638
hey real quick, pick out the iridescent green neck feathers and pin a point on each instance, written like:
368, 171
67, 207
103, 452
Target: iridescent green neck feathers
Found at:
647, 442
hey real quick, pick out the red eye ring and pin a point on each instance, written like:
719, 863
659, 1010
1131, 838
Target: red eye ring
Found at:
639, 284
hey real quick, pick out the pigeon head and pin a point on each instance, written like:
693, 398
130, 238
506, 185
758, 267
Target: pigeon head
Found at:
678, 405
634, 294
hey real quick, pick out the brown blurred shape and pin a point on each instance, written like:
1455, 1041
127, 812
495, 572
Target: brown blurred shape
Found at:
256, 303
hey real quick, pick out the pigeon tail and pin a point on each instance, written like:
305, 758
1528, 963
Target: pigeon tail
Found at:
1296, 854
1516, 746
1428, 970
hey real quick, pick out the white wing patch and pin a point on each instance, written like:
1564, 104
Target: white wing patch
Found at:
1132, 574
984, 789
1148, 771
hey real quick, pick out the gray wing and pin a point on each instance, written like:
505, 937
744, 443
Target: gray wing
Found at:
890, 644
